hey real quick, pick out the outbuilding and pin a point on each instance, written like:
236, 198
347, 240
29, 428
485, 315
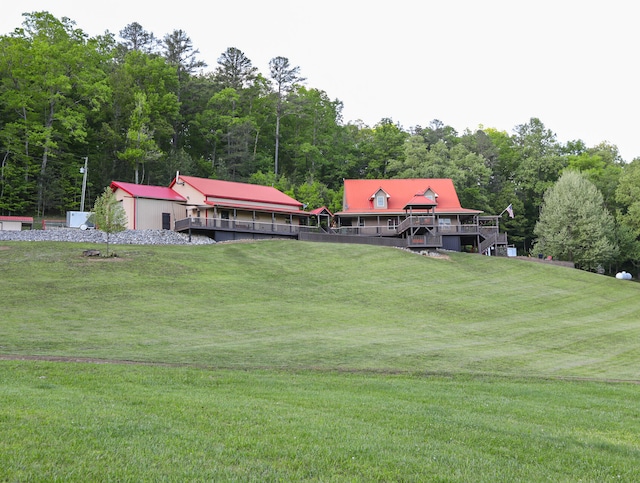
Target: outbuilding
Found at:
148, 207
16, 223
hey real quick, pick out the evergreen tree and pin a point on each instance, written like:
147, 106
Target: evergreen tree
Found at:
135, 37
285, 78
574, 224
179, 53
235, 69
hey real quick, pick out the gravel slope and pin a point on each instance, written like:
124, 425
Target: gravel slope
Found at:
127, 237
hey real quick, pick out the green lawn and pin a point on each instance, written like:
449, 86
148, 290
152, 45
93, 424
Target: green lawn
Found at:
286, 361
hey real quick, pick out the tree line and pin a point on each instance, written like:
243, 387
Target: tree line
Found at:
142, 108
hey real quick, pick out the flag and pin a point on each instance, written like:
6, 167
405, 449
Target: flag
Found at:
509, 210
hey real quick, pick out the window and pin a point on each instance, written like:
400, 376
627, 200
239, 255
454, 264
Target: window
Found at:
444, 221
380, 201
393, 223
430, 194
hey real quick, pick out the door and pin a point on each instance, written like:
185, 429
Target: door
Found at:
166, 221
225, 219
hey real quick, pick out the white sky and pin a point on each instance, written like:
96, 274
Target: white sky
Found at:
495, 63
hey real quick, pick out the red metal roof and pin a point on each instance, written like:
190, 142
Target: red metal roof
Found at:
21, 219
232, 190
421, 200
321, 211
147, 191
401, 192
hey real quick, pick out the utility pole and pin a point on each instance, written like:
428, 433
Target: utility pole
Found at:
84, 181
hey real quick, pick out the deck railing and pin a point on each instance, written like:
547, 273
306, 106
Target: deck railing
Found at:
241, 225
433, 238
385, 230
416, 221
455, 229
377, 230
424, 241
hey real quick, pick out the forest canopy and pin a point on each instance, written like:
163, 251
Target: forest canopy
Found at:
142, 108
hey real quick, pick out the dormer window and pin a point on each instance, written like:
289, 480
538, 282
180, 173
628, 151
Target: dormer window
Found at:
380, 199
430, 194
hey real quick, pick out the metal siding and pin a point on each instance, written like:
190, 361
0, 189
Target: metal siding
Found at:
10, 226
127, 205
149, 213
192, 195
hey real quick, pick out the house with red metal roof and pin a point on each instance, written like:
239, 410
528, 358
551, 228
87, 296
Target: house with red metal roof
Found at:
228, 210
423, 213
149, 207
15, 223
411, 213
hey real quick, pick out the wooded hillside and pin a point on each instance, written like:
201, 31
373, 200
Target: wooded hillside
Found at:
141, 108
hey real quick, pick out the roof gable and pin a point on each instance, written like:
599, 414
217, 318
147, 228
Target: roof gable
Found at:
147, 191
420, 201
321, 211
379, 191
401, 193
232, 190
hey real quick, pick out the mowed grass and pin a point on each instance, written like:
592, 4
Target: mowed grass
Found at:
289, 361
280, 304
83, 422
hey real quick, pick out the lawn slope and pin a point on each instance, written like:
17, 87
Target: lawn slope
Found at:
282, 304
287, 361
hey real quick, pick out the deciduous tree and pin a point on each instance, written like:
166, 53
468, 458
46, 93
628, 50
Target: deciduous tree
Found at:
602, 164
108, 214
52, 79
140, 148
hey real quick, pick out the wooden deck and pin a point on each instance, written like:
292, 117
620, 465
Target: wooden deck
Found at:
203, 225
414, 232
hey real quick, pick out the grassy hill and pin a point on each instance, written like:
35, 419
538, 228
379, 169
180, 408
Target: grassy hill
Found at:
279, 304
290, 361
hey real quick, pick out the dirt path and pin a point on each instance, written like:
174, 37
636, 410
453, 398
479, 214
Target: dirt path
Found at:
87, 360
92, 360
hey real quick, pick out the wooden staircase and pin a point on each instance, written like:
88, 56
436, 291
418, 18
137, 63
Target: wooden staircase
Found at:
491, 239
